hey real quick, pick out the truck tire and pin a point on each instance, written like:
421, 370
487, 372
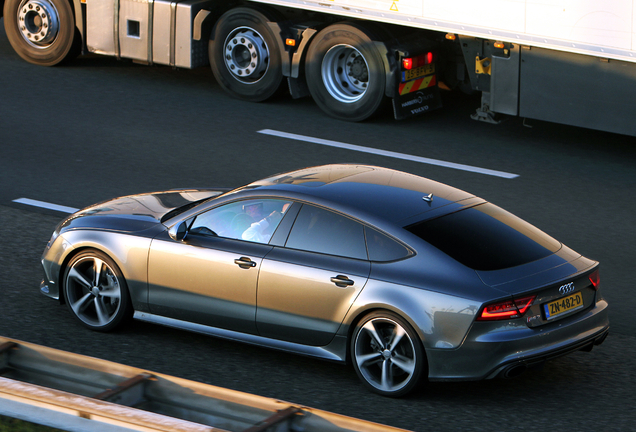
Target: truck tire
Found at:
245, 55
42, 32
345, 72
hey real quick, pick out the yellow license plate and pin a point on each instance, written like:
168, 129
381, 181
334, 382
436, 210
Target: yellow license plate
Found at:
563, 305
418, 72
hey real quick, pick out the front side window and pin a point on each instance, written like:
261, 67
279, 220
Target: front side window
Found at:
323, 231
251, 220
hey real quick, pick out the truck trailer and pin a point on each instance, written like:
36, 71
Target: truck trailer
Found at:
565, 61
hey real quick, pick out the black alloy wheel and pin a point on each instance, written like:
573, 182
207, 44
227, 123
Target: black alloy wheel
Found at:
96, 292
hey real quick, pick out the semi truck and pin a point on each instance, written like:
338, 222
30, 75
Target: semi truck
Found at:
563, 61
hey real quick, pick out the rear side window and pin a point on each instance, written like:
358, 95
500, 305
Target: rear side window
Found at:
383, 248
320, 230
486, 237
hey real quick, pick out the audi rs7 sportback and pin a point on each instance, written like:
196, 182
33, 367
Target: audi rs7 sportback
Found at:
403, 277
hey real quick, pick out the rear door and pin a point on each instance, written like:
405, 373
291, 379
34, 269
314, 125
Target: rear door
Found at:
306, 287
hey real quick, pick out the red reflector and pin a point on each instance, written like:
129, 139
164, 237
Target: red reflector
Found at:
595, 278
407, 63
506, 309
429, 58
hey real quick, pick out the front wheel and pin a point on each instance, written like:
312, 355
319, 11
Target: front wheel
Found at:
42, 32
244, 55
345, 72
387, 354
95, 291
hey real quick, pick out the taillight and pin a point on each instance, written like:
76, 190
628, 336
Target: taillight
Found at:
595, 278
506, 309
415, 62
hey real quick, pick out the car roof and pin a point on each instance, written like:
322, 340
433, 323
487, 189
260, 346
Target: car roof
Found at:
386, 193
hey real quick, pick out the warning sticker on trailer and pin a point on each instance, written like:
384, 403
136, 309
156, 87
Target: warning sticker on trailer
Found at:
417, 102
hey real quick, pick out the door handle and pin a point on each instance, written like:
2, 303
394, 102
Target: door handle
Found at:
244, 262
342, 281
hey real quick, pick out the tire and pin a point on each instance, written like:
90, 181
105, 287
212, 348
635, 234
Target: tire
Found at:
100, 303
245, 55
387, 367
345, 72
42, 32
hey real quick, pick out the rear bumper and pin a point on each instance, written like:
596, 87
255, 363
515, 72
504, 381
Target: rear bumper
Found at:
506, 349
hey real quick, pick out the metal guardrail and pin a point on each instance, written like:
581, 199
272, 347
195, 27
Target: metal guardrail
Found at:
74, 392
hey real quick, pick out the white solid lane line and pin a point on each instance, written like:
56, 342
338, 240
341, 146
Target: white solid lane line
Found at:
320, 141
389, 154
42, 204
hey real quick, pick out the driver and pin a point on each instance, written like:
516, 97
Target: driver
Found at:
258, 231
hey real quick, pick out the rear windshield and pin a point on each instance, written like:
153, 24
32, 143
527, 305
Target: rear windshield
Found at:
486, 237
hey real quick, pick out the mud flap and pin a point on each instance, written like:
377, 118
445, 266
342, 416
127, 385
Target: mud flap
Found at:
419, 102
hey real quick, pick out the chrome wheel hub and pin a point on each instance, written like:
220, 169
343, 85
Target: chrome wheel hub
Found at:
345, 73
39, 22
246, 55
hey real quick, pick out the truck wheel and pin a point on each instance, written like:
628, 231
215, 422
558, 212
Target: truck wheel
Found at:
245, 55
42, 32
345, 72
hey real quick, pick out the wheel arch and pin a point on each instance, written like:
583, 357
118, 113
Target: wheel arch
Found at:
123, 252
439, 320
80, 20
63, 266
369, 309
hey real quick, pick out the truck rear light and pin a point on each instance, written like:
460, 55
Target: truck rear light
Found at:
409, 63
506, 309
595, 278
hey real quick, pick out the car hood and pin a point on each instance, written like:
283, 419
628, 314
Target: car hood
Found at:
136, 212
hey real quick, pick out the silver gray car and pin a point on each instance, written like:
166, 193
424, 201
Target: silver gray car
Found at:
403, 277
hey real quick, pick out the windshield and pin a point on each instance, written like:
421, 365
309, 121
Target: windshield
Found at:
486, 237
177, 211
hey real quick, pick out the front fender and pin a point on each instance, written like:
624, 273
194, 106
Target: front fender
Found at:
129, 252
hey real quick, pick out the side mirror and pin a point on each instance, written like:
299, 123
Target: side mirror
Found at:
178, 232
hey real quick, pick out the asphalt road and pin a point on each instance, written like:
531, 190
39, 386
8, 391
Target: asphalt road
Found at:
99, 128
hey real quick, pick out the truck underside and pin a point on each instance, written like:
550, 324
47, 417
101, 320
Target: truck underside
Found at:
350, 67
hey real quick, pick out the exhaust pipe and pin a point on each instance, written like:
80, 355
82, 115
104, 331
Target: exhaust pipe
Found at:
601, 339
514, 371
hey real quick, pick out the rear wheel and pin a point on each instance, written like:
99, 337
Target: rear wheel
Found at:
387, 354
345, 72
96, 292
245, 56
42, 32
